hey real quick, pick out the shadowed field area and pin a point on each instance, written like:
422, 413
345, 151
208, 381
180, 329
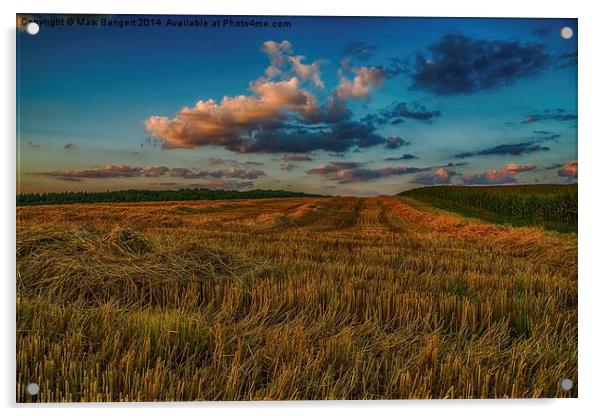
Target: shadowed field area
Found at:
284, 299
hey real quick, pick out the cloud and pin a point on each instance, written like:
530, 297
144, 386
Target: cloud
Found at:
439, 176
69, 146
296, 158
569, 169
555, 166
126, 171
359, 50
225, 184
234, 173
165, 184
565, 60
542, 32
506, 174
276, 52
458, 64
220, 161
553, 114
155, 171
280, 53
452, 164
218, 174
513, 149
398, 112
351, 172
550, 137
210, 184
334, 167
394, 142
307, 71
397, 66
405, 156
365, 80
333, 110
231, 122
338, 137
278, 116
287, 166
183, 173
111, 171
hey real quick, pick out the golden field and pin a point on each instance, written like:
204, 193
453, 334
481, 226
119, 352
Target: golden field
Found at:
286, 299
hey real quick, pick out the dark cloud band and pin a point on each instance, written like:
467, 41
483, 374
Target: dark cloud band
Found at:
513, 149
459, 64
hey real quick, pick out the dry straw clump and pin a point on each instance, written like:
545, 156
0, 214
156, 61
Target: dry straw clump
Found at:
127, 241
120, 266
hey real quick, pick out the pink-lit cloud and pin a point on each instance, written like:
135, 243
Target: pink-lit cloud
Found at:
569, 169
155, 171
229, 122
503, 175
365, 80
276, 52
279, 115
307, 71
439, 176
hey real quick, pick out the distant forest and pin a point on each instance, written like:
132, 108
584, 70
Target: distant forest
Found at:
143, 195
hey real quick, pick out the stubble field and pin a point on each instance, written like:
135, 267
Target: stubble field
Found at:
285, 299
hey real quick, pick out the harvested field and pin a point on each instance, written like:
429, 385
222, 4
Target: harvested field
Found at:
286, 299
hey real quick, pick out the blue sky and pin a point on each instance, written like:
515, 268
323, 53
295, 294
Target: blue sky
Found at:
373, 106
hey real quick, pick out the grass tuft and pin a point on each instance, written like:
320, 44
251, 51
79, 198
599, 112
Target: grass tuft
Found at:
127, 241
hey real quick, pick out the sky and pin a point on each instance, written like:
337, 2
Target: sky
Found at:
329, 105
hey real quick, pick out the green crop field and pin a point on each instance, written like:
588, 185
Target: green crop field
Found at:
553, 207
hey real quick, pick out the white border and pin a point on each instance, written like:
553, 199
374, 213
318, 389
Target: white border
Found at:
590, 137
